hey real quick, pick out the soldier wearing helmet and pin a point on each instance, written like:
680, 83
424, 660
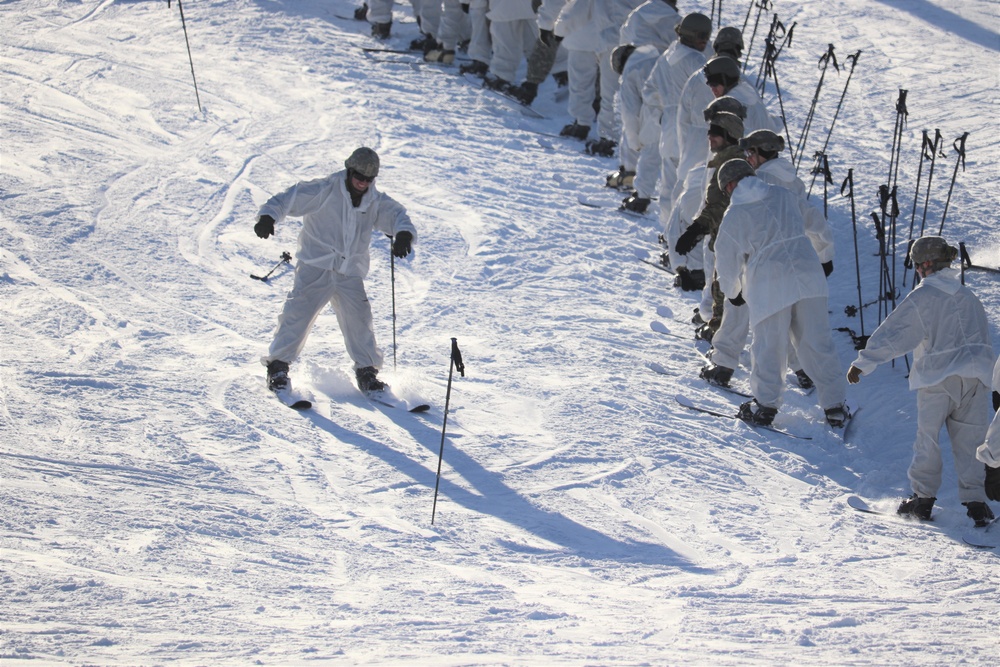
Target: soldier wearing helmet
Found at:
763, 259
339, 214
944, 325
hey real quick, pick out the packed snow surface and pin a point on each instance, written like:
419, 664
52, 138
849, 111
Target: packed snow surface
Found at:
161, 507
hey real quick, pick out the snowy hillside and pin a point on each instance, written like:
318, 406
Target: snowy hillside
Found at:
159, 506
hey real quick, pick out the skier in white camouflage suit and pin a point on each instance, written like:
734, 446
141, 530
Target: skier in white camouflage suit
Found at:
339, 214
945, 326
763, 258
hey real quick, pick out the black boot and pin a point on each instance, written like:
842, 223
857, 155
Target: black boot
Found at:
575, 131
277, 376
525, 93
755, 413
917, 507
368, 380
361, 13
475, 67
381, 30
979, 512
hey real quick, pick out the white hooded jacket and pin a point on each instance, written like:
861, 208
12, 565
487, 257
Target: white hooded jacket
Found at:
945, 326
335, 235
652, 22
762, 250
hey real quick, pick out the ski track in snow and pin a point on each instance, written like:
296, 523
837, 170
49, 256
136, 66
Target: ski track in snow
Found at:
161, 506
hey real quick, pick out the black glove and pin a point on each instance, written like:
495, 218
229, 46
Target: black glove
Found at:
828, 268
401, 244
465, 7
992, 483
549, 38
689, 239
738, 300
264, 226
996, 401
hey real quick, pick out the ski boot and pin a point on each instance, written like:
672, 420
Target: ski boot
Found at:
381, 30
440, 55
979, 512
805, 382
277, 376
837, 416
758, 414
575, 131
717, 375
917, 507
361, 13
635, 203
603, 147
525, 93
368, 381
496, 83
476, 67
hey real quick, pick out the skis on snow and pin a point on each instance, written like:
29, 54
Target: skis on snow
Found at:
386, 399
687, 403
987, 537
295, 399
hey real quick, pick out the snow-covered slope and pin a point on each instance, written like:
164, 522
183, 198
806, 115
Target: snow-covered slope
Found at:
160, 506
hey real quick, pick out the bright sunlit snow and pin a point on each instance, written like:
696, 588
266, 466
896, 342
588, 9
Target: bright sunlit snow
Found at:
159, 506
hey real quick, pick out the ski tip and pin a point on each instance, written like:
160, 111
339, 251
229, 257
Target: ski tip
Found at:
423, 407
659, 327
683, 400
301, 405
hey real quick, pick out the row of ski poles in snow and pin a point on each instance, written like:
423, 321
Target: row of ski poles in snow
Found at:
886, 218
456, 364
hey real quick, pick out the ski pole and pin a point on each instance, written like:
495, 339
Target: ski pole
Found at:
761, 6
824, 63
285, 258
770, 56
822, 166
849, 186
392, 281
959, 146
925, 142
854, 61
935, 152
456, 362
188, 43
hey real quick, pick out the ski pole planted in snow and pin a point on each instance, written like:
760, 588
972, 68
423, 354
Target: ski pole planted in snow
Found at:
854, 61
848, 185
188, 43
285, 258
456, 362
392, 280
959, 146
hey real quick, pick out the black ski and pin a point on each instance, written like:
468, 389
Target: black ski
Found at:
525, 108
386, 399
984, 537
294, 399
683, 401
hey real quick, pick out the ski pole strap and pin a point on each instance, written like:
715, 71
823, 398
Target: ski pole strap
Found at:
456, 357
901, 103
964, 255
829, 57
823, 167
848, 184
959, 146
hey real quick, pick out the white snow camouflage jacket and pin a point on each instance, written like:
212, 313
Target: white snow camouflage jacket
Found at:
335, 235
989, 451
780, 171
762, 250
944, 324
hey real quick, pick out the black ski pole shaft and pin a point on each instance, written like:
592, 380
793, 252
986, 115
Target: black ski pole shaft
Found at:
180, 6
824, 63
822, 167
772, 71
935, 151
456, 362
761, 6
849, 186
392, 282
959, 146
854, 61
924, 143
285, 258
769, 49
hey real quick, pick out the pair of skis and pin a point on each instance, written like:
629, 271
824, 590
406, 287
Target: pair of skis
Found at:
301, 401
985, 537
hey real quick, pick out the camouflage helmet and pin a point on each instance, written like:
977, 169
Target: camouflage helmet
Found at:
725, 103
933, 249
730, 123
729, 40
722, 69
694, 26
363, 161
619, 56
733, 170
763, 141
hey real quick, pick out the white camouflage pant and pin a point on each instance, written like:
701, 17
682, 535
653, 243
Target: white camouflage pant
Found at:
314, 288
962, 405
